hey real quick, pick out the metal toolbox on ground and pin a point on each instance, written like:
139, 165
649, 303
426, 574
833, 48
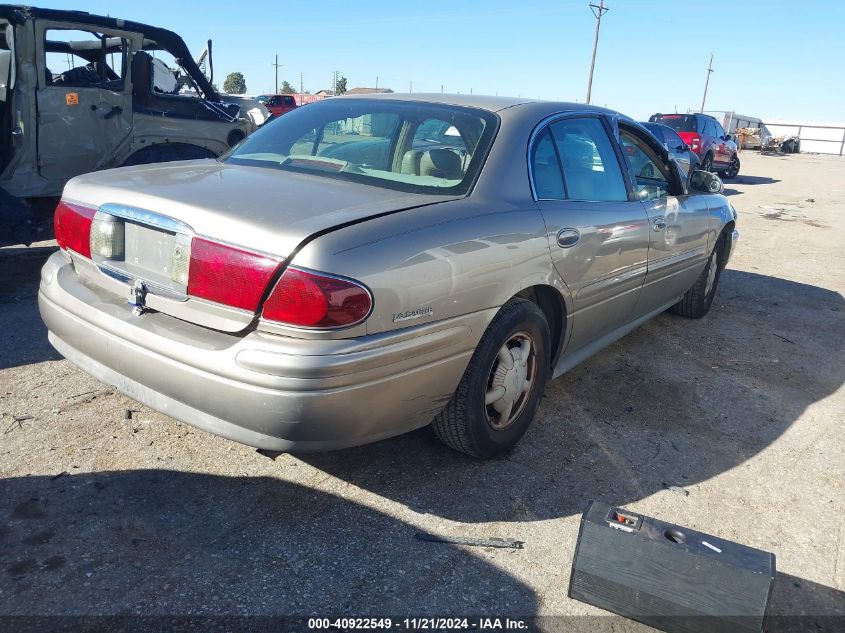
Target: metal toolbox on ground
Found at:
669, 577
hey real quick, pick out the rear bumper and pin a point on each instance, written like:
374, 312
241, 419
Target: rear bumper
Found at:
260, 389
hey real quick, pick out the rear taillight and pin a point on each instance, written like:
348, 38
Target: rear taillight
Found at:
695, 143
72, 225
307, 299
229, 275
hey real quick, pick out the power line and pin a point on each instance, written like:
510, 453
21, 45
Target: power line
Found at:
598, 11
707, 82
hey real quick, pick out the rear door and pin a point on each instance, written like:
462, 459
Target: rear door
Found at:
84, 98
597, 236
678, 225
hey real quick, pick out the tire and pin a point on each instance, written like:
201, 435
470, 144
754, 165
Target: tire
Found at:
697, 300
733, 169
470, 425
707, 162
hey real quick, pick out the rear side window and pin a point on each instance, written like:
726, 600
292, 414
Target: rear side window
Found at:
672, 140
548, 181
590, 167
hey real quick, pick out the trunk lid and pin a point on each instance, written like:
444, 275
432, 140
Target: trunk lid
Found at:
161, 207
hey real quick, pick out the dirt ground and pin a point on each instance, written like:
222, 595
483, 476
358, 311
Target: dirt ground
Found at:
740, 412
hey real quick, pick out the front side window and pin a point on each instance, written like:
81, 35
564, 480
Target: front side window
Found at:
590, 167
84, 59
650, 173
414, 147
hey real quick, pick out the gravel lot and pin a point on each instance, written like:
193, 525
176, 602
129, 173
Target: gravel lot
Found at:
743, 409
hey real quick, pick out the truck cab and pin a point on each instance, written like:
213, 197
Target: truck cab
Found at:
81, 92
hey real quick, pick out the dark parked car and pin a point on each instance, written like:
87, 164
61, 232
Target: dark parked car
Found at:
675, 145
707, 138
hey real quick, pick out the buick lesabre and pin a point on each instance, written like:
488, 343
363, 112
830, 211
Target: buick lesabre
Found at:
362, 267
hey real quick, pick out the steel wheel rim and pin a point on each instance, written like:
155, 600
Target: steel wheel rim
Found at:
511, 380
711, 274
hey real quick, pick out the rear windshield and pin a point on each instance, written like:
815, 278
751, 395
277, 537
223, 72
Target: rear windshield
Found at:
413, 147
678, 122
663, 134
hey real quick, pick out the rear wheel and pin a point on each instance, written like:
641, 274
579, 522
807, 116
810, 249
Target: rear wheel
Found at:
697, 300
733, 168
501, 387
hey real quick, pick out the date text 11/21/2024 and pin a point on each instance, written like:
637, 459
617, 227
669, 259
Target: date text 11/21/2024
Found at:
419, 623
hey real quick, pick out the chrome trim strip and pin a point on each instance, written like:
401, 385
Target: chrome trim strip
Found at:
154, 288
151, 218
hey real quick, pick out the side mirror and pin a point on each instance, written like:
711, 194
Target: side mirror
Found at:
679, 176
706, 182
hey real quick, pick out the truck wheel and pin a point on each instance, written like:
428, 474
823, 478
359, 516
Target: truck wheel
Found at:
165, 152
707, 162
697, 300
733, 168
501, 387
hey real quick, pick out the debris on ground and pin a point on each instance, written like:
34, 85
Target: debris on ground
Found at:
678, 489
269, 454
17, 422
466, 540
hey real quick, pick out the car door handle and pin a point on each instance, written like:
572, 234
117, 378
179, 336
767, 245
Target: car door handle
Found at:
659, 223
112, 112
567, 238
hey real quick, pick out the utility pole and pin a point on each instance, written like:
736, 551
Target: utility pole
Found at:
598, 11
707, 82
376, 82
301, 85
411, 86
336, 73
277, 65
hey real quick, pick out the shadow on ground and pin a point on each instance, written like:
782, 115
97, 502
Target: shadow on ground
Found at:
164, 543
674, 403
157, 542
20, 342
752, 180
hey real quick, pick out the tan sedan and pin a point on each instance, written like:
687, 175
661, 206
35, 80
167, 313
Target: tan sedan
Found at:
363, 267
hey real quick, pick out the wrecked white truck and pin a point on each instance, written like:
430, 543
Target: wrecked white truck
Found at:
81, 92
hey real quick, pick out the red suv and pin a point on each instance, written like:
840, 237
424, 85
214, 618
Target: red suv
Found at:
279, 104
706, 137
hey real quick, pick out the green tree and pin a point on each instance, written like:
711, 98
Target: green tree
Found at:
287, 89
235, 83
341, 85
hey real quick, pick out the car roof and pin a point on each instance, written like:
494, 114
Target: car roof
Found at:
483, 102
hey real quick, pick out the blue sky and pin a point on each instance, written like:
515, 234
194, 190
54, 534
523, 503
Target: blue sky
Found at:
773, 59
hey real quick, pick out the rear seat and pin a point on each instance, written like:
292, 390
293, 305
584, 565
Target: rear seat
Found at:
439, 163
